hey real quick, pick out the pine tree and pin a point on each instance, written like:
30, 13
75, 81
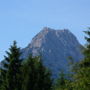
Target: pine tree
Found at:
44, 78
29, 74
13, 74
3, 72
35, 75
82, 75
2, 79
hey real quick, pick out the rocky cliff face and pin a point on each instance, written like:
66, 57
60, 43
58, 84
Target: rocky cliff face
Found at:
55, 46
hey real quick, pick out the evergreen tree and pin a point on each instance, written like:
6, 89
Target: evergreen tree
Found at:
3, 72
44, 78
29, 75
35, 75
63, 83
2, 79
82, 75
13, 74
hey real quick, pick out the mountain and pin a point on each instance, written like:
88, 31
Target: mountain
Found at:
55, 46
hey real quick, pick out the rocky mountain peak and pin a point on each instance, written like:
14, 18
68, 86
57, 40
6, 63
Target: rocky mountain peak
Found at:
52, 32
46, 33
55, 46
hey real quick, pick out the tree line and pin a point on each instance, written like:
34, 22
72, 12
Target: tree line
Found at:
31, 74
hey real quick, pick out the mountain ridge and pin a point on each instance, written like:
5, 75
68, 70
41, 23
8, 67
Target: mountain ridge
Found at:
55, 46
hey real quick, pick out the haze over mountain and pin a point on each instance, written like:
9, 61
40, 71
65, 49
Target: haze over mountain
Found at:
55, 46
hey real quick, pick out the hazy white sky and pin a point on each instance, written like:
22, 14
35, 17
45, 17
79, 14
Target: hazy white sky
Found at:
20, 20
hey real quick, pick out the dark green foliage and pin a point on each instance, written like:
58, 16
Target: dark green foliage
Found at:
3, 72
13, 77
2, 79
36, 76
29, 73
44, 81
82, 74
12, 65
18, 75
63, 83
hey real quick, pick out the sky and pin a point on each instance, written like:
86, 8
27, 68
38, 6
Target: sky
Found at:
21, 20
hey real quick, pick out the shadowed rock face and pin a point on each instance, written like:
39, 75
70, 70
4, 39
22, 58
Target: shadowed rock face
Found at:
55, 46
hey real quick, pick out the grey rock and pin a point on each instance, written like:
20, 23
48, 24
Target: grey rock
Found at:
55, 46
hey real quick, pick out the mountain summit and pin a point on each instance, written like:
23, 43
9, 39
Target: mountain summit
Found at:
55, 46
